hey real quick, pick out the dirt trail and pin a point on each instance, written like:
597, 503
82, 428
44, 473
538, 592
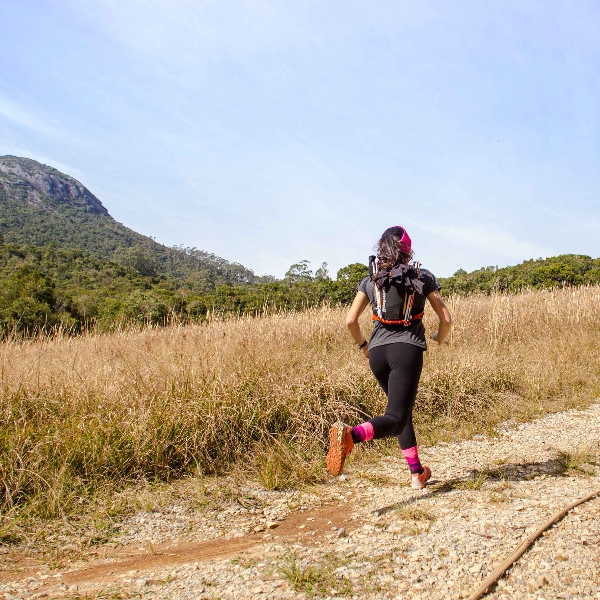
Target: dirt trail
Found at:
370, 536
324, 519
314, 523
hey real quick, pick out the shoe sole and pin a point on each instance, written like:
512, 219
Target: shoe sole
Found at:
336, 455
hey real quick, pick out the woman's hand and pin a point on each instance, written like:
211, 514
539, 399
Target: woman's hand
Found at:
434, 337
365, 351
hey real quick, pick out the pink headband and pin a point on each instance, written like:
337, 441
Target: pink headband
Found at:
404, 244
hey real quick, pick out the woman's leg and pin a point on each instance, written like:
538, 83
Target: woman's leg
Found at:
408, 443
402, 364
380, 367
408, 439
397, 368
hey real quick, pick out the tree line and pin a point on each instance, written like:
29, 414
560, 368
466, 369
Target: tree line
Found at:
43, 287
566, 269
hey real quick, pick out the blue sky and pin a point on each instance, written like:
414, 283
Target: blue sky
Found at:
273, 131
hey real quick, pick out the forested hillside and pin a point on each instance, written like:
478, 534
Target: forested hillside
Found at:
65, 260
42, 286
40, 205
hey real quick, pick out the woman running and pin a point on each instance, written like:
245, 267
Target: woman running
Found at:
396, 290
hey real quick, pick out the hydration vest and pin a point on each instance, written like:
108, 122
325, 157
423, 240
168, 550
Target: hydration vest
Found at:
395, 291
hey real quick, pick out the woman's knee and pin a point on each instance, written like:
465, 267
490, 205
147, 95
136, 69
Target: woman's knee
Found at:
397, 422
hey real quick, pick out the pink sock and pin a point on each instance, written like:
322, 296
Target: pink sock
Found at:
363, 432
412, 458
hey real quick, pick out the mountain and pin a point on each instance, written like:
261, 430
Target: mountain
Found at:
39, 205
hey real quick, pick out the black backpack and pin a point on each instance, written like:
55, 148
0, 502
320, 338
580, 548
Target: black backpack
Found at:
395, 291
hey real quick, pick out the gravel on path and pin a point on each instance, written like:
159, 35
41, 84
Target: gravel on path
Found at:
486, 495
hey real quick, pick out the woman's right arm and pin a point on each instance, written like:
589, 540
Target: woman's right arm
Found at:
358, 305
441, 310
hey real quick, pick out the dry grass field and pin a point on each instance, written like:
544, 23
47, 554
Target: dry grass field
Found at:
90, 414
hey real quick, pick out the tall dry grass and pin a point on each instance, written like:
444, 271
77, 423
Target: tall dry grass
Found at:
84, 413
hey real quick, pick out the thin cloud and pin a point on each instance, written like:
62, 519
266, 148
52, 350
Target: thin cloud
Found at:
20, 116
186, 31
189, 31
492, 241
572, 220
45, 160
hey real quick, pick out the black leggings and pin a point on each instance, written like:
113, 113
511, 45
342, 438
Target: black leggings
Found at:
397, 367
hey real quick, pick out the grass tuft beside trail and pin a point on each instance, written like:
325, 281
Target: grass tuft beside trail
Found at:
79, 415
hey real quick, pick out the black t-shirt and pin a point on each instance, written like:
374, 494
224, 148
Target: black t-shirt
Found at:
409, 334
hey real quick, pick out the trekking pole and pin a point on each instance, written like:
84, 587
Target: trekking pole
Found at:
491, 579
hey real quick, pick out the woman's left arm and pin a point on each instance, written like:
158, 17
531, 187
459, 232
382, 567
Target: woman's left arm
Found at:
441, 310
358, 305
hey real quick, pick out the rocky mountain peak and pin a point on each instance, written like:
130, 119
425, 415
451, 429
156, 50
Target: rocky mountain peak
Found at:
33, 183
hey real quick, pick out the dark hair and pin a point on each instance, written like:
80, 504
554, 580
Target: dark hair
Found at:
389, 254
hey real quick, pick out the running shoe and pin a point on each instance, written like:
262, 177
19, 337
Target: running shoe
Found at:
419, 480
340, 445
